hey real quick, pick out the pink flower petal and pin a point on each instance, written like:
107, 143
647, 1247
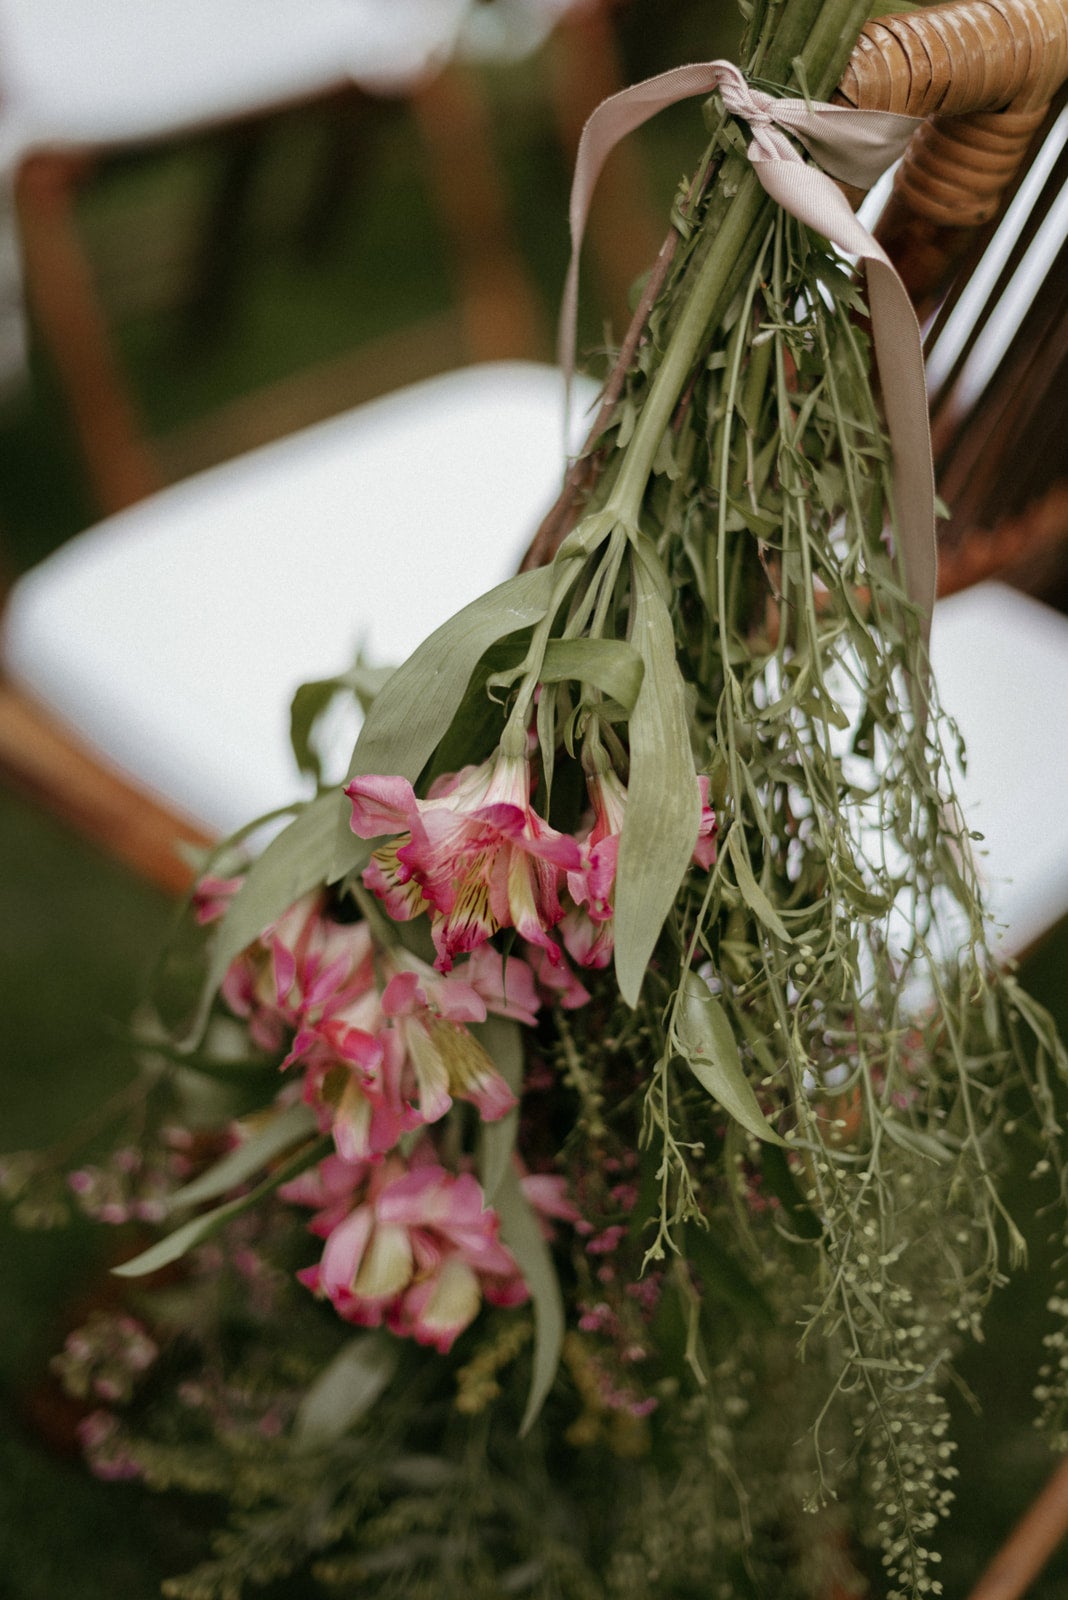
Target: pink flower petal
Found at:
380, 805
438, 1310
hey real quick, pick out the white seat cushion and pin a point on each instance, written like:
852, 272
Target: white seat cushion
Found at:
1001, 662
114, 71
172, 636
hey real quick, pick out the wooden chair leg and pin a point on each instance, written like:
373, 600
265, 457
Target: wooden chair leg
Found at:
42, 760
501, 313
62, 296
224, 234
351, 123
1030, 1544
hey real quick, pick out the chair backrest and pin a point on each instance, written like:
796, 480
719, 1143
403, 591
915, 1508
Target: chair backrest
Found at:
984, 72
976, 224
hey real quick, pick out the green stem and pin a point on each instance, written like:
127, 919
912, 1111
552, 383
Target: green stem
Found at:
737, 228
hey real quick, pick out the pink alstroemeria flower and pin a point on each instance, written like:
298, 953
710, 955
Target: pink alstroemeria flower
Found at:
354, 1079
329, 1189
418, 1254
556, 981
588, 927
550, 1201
481, 857
505, 984
704, 851
428, 1012
212, 897
301, 967
381, 1065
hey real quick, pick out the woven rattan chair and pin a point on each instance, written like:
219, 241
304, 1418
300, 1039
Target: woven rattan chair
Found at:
79, 83
991, 74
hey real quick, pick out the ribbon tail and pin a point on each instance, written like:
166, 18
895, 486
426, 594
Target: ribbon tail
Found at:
899, 353
611, 122
812, 197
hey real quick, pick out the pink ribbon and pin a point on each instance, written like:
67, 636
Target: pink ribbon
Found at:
855, 146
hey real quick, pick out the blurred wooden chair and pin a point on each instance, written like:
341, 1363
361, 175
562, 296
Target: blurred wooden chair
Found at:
150, 662
81, 80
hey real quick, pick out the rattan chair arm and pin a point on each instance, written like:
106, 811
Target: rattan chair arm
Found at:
984, 72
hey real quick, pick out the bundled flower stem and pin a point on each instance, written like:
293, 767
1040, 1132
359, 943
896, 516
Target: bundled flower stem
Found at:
626, 1029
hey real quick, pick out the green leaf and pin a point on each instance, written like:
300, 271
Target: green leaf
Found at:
750, 890
294, 862
278, 1134
611, 665
522, 1235
663, 802
781, 1182
475, 729
503, 1043
415, 707
722, 1278
346, 1389
703, 1036
197, 1229
419, 703
311, 700
921, 1144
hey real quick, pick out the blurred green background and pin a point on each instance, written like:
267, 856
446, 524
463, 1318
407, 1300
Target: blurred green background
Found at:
77, 935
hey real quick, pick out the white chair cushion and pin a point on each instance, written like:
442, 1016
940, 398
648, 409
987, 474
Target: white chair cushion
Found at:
172, 636
97, 72
1001, 663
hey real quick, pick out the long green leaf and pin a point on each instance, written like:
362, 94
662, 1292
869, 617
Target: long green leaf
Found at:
923, 1144
611, 665
504, 1045
311, 700
475, 730
750, 890
278, 1134
346, 1389
197, 1229
520, 1232
663, 803
294, 862
415, 707
705, 1039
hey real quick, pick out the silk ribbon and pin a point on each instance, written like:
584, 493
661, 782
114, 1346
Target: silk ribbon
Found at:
855, 146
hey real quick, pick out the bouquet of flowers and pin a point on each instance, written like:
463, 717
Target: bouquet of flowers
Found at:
583, 1161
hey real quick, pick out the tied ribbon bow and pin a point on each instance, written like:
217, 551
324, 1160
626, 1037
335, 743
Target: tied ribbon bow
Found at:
855, 146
